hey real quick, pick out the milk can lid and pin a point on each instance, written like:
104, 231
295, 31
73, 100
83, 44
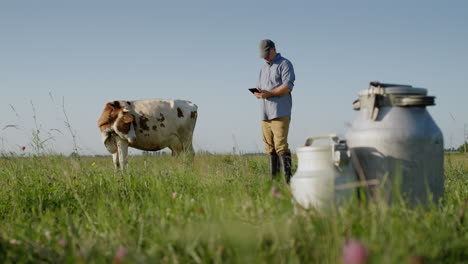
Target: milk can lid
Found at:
314, 149
389, 88
318, 143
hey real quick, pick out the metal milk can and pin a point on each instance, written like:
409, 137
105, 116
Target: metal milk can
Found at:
320, 169
395, 141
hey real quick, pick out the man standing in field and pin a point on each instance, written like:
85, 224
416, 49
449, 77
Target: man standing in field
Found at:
275, 84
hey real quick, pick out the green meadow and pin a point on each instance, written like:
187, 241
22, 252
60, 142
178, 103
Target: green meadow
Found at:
209, 209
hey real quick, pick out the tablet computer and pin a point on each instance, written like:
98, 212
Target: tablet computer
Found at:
253, 90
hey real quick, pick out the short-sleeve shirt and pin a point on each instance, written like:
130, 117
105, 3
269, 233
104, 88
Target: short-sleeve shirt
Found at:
279, 71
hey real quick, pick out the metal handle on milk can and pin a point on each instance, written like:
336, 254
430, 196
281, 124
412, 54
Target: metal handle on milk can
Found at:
334, 141
310, 140
338, 148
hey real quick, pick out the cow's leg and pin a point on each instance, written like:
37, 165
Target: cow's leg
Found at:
175, 151
174, 144
115, 158
122, 146
188, 147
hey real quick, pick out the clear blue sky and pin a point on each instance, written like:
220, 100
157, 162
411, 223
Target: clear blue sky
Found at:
86, 53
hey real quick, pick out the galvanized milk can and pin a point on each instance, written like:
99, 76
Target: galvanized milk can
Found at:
395, 140
321, 168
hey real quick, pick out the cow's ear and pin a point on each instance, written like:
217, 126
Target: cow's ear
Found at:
105, 118
128, 118
109, 106
114, 105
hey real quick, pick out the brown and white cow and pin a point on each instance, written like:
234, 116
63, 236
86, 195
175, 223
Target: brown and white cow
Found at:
152, 124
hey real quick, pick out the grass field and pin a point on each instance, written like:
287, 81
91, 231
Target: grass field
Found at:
216, 209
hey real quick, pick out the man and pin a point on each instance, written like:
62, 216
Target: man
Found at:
275, 84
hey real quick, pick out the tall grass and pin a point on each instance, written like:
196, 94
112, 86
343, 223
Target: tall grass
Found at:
212, 209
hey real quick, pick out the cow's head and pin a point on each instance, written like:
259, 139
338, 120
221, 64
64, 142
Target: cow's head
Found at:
116, 119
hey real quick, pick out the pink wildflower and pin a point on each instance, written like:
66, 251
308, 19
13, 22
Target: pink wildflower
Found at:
354, 252
120, 255
275, 192
62, 242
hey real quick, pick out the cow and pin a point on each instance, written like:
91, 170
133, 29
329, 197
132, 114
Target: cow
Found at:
150, 125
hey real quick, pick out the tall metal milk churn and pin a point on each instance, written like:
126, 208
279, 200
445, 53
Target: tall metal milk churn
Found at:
395, 140
320, 169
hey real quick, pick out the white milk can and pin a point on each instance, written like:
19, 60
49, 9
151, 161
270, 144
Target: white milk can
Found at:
395, 141
320, 169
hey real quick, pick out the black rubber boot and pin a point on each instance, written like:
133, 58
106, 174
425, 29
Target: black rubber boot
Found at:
274, 165
285, 161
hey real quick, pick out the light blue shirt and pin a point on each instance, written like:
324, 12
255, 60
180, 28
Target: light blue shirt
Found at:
279, 71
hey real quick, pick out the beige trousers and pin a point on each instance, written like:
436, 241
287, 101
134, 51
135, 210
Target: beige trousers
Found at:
275, 135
